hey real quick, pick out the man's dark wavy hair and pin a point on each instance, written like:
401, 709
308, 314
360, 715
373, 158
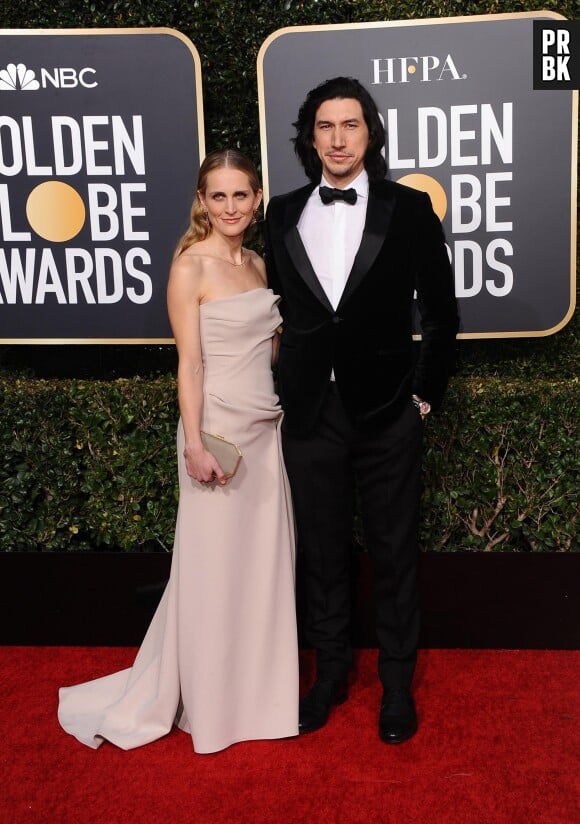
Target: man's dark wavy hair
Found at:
339, 87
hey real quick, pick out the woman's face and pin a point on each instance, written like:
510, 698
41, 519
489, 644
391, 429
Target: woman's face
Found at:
230, 201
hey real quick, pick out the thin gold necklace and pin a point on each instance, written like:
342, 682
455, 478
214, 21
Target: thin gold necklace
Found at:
231, 262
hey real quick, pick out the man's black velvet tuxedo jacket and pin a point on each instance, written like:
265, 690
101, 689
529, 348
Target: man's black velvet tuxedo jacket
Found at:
368, 339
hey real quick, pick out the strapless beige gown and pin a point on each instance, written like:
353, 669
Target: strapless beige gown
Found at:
220, 658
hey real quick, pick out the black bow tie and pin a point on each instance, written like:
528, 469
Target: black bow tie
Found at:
327, 195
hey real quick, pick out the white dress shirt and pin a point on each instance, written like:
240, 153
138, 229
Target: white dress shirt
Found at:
332, 233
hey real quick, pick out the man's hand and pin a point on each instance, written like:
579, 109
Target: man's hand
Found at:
424, 407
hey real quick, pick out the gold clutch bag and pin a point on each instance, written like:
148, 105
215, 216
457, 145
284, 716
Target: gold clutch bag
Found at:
226, 453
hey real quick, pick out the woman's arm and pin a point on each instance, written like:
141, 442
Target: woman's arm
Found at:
183, 299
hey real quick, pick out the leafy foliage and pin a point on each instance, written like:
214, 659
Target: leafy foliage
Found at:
501, 468
89, 464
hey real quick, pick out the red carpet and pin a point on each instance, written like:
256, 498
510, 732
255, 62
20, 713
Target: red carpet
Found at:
498, 742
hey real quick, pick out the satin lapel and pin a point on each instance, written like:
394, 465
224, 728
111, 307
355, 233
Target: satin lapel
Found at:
379, 213
296, 248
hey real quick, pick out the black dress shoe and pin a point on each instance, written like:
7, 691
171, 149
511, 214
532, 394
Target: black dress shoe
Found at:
398, 719
314, 708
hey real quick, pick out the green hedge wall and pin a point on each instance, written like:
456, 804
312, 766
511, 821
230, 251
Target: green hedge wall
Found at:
91, 464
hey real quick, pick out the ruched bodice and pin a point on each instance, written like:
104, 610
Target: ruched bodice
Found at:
236, 334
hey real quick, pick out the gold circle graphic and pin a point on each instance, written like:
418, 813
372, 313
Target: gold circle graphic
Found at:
55, 211
412, 69
425, 183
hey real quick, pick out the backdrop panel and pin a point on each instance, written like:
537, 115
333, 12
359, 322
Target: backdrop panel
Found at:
101, 137
465, 124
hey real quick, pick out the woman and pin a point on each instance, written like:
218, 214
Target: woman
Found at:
220, 657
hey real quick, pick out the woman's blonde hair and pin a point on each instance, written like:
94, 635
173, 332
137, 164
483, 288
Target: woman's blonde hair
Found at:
199, 226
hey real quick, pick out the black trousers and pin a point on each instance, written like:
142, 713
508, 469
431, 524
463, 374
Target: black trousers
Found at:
324, 468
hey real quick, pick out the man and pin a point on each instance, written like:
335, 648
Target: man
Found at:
346, 253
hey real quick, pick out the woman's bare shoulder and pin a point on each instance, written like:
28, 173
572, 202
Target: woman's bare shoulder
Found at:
186, 273
253, 256
257, 261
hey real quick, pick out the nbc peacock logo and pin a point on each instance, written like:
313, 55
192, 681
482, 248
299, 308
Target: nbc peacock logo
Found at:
16, 77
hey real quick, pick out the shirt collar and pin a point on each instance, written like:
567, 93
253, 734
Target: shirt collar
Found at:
360, 183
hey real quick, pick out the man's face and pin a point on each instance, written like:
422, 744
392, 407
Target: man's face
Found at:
341, 139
